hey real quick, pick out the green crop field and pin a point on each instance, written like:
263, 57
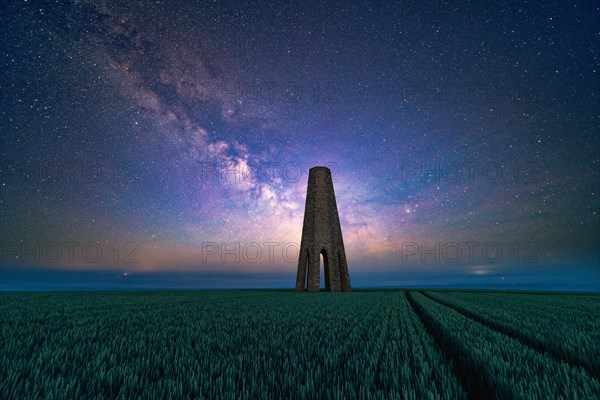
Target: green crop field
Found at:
280, 344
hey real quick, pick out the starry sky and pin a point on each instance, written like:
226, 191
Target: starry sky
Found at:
168, 143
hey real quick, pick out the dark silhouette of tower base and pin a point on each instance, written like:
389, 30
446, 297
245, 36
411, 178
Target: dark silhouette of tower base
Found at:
322, 235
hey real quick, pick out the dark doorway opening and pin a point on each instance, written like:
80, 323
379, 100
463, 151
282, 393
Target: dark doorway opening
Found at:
324, 267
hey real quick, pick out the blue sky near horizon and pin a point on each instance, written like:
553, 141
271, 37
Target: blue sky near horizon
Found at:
525, 277
174, 139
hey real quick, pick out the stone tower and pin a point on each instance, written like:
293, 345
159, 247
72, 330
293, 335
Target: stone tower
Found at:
322, 234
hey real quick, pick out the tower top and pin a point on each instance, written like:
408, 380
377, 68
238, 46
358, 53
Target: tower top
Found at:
319, 167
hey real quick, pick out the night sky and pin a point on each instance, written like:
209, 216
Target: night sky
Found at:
148, 137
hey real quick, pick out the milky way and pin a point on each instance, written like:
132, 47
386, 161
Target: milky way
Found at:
462, 137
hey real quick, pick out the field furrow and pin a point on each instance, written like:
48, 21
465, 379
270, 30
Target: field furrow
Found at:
495, 365
416, 348
557, 327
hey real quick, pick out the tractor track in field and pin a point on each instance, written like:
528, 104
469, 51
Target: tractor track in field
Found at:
538, 346
474, 388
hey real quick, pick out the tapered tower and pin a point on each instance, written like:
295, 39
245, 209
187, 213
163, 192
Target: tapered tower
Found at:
322, 234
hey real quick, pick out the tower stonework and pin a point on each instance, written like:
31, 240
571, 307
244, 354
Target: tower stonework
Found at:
322, 235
